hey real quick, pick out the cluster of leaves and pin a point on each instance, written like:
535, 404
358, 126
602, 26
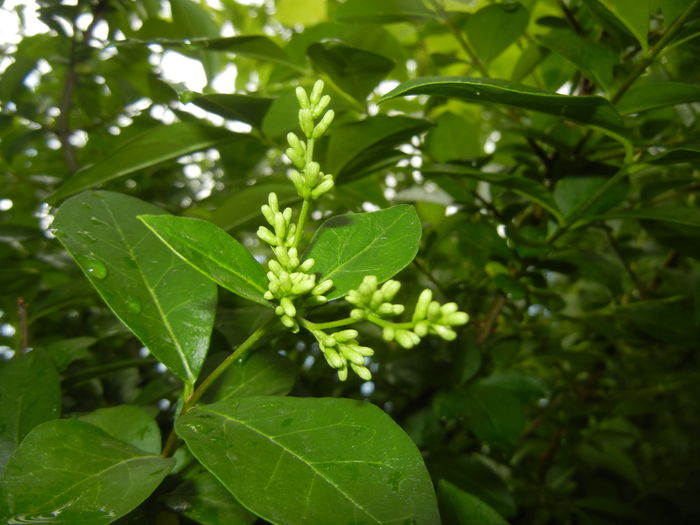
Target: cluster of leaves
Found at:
550, 150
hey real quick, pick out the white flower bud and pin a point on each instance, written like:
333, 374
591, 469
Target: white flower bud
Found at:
345, 335
361, 371
322, 287
390, 289
388, 333
316, 92
302, 98
306, 122
322, 126
321, 106
267, 236
421, 310
322, 188
357, 314
288, 306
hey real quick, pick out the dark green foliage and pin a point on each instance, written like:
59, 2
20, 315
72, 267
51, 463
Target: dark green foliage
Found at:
535, 162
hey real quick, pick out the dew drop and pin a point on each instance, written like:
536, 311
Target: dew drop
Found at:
95, 220
95, 268
87, 236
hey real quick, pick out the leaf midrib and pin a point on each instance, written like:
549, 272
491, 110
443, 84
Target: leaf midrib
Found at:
303, 460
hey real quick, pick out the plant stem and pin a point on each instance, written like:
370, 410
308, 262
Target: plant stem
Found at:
408, 325
641, 67
300, 222
460, 38
240, 353
326, 326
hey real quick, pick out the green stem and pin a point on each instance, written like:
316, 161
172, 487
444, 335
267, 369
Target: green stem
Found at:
641, 67
654, 51
460, 38
309, 325
241, 352
300, 222
408, 325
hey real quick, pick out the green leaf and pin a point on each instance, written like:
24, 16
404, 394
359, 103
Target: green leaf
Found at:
348, 247
131, 424
259, 47
312, 460
70, 472
634, 15
356, 146
152, 147
688, 216
245, 108
572, 192
672, 9
64, 351
384, 12
493, 28
203, 499
355, 71
160, 298
263, 373
461, 508
244, 206
213, 252
452, 138
494, 414
591, 110
303, 12
528, 188
657, 95
594, 60
30, 394
674, 156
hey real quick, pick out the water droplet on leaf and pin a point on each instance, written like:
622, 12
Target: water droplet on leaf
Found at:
93, 267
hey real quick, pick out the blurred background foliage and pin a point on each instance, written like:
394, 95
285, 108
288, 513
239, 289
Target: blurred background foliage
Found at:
572, 396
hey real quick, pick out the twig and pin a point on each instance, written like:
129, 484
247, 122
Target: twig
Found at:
460, 37
486, 326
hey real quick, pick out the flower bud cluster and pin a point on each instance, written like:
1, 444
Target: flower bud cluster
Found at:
370, 299
309, 181
288, 277
340, 349
372, 303
430, 316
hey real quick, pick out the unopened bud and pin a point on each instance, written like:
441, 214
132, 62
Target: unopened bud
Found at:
322, 188
302, 98
323, 125
421, 310
361, 371
306, 122
321, 106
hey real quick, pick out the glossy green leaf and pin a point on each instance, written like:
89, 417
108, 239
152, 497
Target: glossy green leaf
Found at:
203, 499
594, 60
29, 395
685, 215
149, 148
213, 252
131, 424
493, 28
245, 108
591, 110
461, 508
353, 70
243, 206
70, 472
356, 146
384, 12
634, 15
312, 460
263, 373
348, 247
160, 298
657, 95
524, 186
